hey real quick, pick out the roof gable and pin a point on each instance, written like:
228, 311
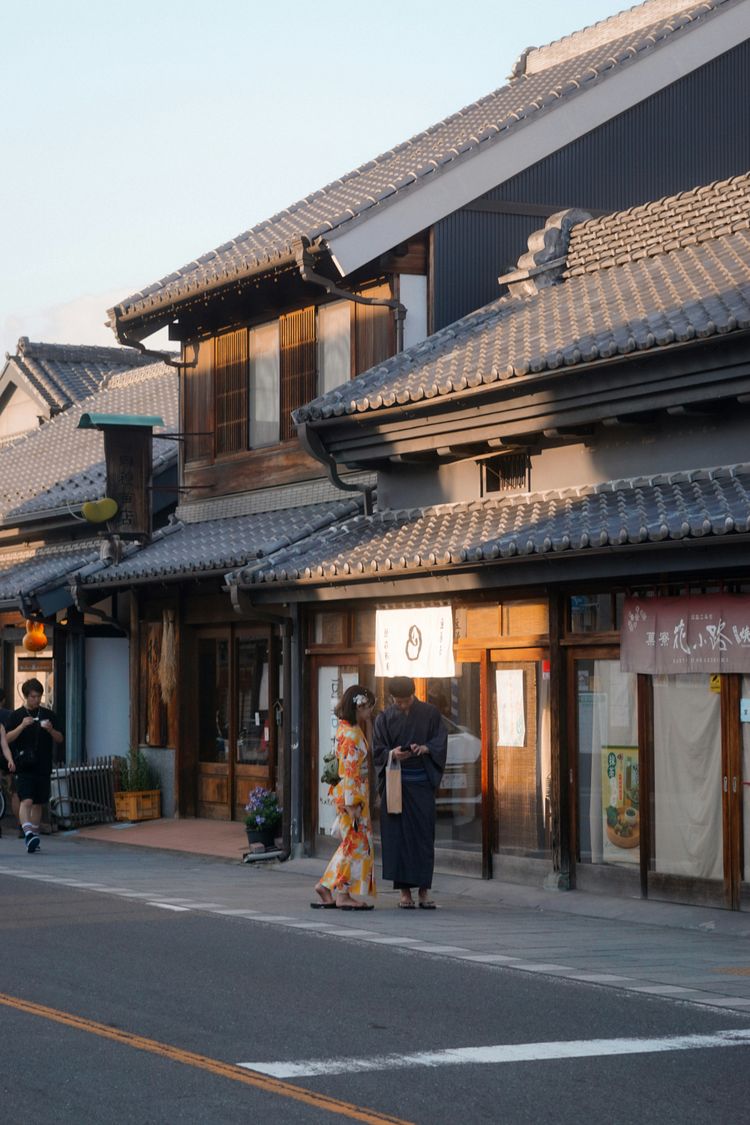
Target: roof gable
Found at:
57, 375
58, 466
356, 217
649, 277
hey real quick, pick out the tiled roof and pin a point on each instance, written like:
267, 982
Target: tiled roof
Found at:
59, 465
552, 76
655, 275
24, 573
216, 546
306, 493
642, 510
62, 374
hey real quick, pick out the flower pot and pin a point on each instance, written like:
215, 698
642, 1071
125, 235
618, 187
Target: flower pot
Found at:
263, 836
139, 805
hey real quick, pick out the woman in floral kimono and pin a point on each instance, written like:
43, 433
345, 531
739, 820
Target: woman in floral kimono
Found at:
351, 868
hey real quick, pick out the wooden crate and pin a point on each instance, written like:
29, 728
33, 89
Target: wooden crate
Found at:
143, 805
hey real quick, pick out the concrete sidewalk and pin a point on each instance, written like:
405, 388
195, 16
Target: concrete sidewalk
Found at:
685, 953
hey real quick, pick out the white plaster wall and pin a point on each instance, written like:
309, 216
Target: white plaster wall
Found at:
19, 414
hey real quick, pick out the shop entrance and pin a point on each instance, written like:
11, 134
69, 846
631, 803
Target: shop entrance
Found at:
237, 700
332, 675
521, 762
657, 789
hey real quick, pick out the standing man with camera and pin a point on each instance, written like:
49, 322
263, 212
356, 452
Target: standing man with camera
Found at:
31, 736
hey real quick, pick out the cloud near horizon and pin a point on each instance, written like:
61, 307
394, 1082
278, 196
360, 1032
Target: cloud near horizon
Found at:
80, 321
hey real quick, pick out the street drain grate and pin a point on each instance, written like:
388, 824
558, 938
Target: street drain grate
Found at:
734, 971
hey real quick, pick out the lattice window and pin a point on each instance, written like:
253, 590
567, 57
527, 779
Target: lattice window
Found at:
510, 472
230, 391
299, 363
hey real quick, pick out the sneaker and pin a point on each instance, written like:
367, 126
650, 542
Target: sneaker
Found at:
32, 843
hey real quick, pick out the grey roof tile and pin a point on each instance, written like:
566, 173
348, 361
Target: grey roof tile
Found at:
59, 465
597, 309
24, 573
62, 374
552, 75
214, 546
685, 505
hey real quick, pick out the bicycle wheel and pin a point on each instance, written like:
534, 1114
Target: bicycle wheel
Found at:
2, 799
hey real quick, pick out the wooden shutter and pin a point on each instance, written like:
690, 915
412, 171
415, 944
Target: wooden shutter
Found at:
198, 401
374, 332
230, 381
298, 364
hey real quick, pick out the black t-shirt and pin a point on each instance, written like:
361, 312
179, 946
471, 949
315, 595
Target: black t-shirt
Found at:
33, 738
5, 717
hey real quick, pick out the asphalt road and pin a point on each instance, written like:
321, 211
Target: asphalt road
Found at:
143, 1014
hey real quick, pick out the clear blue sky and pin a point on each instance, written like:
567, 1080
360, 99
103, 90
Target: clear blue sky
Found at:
134, 139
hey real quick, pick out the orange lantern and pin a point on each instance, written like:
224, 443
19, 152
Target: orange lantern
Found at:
35, 639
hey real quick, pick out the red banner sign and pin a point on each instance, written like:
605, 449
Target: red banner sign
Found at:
691, 634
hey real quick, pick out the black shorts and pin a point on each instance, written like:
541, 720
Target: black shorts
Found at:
33, 787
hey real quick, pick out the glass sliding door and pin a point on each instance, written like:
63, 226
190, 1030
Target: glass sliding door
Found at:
521, 759
608, 790
332, 678
213, 726
255, 738
458, 801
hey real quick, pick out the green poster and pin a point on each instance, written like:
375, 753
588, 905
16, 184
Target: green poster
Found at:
620, 796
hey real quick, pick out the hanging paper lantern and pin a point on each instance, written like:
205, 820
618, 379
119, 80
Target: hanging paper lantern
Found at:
35, 639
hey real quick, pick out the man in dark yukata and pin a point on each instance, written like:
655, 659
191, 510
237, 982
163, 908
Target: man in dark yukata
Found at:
415, 731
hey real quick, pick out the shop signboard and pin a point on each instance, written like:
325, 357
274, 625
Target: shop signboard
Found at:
414, 642
669, 636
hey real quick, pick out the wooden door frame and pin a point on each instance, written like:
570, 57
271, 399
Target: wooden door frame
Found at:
573, 653
494, 655
232, 632
731, 797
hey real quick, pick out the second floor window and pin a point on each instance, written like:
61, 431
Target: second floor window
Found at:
240, 392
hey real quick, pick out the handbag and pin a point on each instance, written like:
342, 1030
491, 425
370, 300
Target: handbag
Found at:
330, 773
393, 785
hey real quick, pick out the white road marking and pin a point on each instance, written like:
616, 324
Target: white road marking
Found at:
168, 906
541, 967
502, 1053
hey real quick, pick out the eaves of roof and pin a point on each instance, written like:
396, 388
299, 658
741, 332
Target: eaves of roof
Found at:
26, 575
682, 507
209, 548
367, 196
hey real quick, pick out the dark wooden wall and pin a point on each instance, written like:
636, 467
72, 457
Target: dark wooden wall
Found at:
694, 132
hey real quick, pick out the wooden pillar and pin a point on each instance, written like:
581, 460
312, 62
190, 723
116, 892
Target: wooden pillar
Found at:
135, 663
561, 750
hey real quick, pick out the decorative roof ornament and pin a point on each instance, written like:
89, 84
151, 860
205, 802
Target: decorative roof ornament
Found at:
544, 262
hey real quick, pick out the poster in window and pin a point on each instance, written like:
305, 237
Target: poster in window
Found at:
621, 817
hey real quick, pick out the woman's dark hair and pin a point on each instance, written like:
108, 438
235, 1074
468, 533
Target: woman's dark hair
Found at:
351, 699
31, 685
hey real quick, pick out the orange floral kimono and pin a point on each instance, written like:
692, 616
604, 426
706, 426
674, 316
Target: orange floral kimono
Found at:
352, 867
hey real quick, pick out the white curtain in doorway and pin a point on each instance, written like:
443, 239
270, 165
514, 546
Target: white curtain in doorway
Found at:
687, 777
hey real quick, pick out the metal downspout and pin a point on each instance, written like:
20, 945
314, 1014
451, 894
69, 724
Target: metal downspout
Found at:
306, 263
296, 750
312, 444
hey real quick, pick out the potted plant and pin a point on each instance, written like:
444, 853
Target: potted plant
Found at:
137, 796
263, 816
